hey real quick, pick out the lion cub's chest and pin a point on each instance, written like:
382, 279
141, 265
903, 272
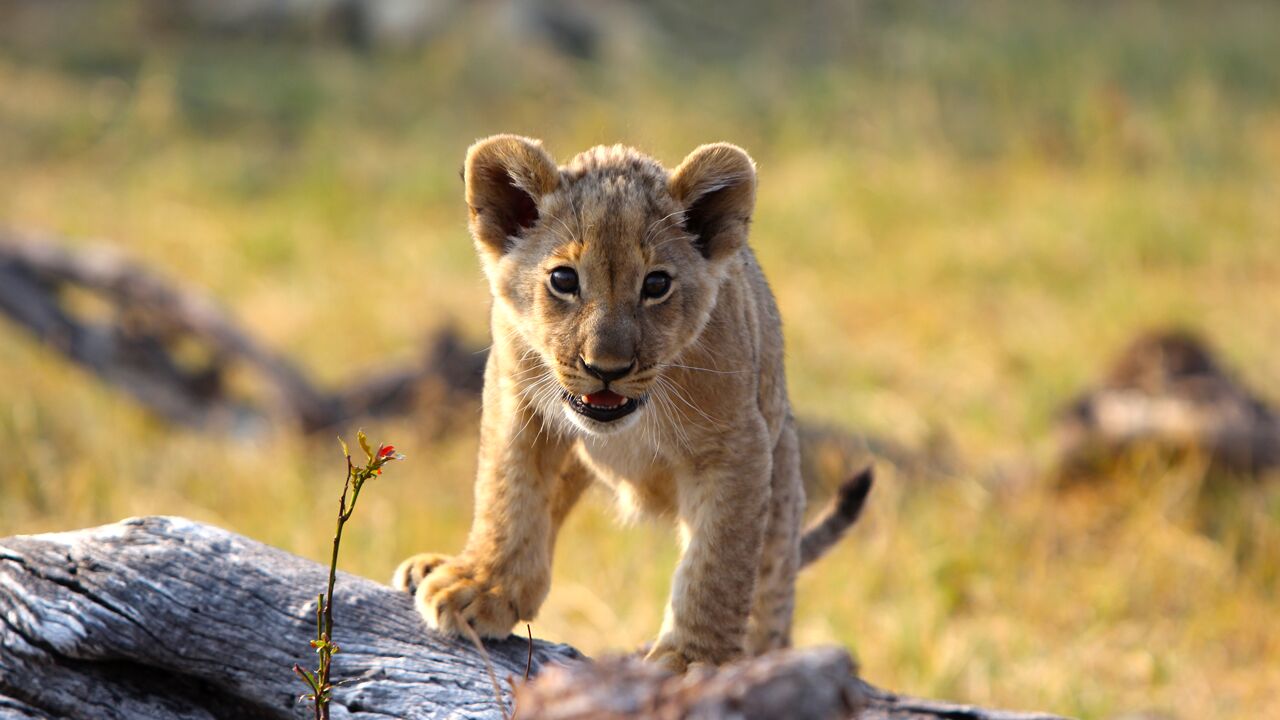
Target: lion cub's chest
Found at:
643, 480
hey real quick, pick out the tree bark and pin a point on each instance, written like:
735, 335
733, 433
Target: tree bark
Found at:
168, 618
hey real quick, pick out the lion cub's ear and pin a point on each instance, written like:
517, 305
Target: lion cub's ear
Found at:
716, 185
506, 176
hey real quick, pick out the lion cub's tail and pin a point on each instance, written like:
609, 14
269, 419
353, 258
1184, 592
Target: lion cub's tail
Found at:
836, 519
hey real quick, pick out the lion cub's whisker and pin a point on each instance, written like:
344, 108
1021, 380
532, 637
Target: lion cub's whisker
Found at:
702, 369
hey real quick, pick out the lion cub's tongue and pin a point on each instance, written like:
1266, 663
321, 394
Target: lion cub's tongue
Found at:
604, 398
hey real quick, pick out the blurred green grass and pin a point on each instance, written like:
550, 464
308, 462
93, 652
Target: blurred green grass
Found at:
964, 210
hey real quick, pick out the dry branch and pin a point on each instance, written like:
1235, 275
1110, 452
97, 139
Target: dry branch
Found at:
174, 350
168, 618
1169, 390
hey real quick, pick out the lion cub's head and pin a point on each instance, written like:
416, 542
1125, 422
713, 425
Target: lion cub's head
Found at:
609, 265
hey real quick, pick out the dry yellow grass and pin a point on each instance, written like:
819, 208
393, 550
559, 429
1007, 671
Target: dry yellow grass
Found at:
962, 217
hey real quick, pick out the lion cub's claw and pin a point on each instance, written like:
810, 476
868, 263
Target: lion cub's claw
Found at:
670, 660
409, 576
453, 595
674, 659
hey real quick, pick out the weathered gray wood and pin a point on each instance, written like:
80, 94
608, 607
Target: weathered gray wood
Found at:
813, 683
817, 683
168, 618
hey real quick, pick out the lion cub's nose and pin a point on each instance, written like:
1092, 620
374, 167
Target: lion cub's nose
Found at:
606, 374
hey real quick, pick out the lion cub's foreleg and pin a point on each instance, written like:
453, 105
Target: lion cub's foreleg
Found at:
523, 492
723, 516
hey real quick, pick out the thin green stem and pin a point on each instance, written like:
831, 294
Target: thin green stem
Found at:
319, 681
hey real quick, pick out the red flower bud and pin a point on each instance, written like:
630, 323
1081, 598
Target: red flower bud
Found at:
386, 451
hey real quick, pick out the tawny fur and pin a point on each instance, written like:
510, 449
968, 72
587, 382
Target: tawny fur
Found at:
712, 444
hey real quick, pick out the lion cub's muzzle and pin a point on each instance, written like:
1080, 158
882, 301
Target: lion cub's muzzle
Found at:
603, 406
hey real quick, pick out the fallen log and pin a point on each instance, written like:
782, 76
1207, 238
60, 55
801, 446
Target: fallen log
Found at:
168, 618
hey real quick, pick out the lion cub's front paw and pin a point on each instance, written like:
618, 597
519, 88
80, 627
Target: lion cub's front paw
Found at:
454, 594
411, 572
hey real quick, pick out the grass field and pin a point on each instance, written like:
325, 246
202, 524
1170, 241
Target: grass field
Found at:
964, 210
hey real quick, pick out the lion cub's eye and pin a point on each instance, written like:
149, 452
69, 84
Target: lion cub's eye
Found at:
564, 280
656, 284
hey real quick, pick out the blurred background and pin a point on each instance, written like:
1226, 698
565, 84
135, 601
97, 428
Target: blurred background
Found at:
967, 211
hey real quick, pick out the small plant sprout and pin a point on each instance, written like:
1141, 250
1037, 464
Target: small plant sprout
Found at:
317, 680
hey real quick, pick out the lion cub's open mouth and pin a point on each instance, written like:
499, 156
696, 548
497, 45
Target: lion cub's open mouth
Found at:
602, 405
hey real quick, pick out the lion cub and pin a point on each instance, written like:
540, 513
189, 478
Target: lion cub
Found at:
635, 342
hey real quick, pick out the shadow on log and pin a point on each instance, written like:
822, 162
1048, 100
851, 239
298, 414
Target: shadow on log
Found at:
168, 618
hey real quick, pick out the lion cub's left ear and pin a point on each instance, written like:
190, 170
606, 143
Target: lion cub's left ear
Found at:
716, 185
506, 176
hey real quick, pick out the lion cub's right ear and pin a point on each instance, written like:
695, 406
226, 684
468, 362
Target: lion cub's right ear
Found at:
506, 176
716, 185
